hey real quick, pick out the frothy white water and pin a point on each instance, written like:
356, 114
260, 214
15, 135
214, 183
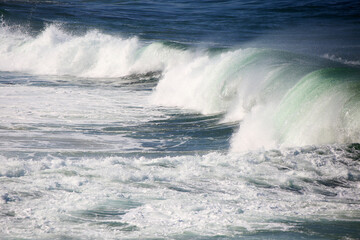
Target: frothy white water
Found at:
215, 194
48, 118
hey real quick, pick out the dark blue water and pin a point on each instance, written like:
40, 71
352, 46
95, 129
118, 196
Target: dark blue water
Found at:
216, 22
179, 119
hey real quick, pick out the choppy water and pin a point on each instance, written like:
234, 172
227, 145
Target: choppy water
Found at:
179, 120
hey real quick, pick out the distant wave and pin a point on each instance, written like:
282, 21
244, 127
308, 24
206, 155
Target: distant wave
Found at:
342, 60
279, 98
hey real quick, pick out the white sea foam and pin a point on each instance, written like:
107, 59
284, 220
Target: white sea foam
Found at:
165, 197
46, 118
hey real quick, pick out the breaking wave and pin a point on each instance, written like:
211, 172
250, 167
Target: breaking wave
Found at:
279, 98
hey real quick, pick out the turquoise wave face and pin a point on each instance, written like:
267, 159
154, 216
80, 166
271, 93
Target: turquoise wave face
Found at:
303, 106
321, 108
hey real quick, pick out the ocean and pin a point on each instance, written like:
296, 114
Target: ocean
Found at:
179, 119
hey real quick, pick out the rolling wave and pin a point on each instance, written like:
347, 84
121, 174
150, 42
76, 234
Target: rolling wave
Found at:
280, 98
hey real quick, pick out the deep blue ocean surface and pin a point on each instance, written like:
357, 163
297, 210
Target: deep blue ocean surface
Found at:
179, 119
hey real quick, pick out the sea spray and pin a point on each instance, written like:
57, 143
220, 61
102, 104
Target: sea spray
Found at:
56, 52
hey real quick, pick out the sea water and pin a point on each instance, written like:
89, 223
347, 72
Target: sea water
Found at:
179, 119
